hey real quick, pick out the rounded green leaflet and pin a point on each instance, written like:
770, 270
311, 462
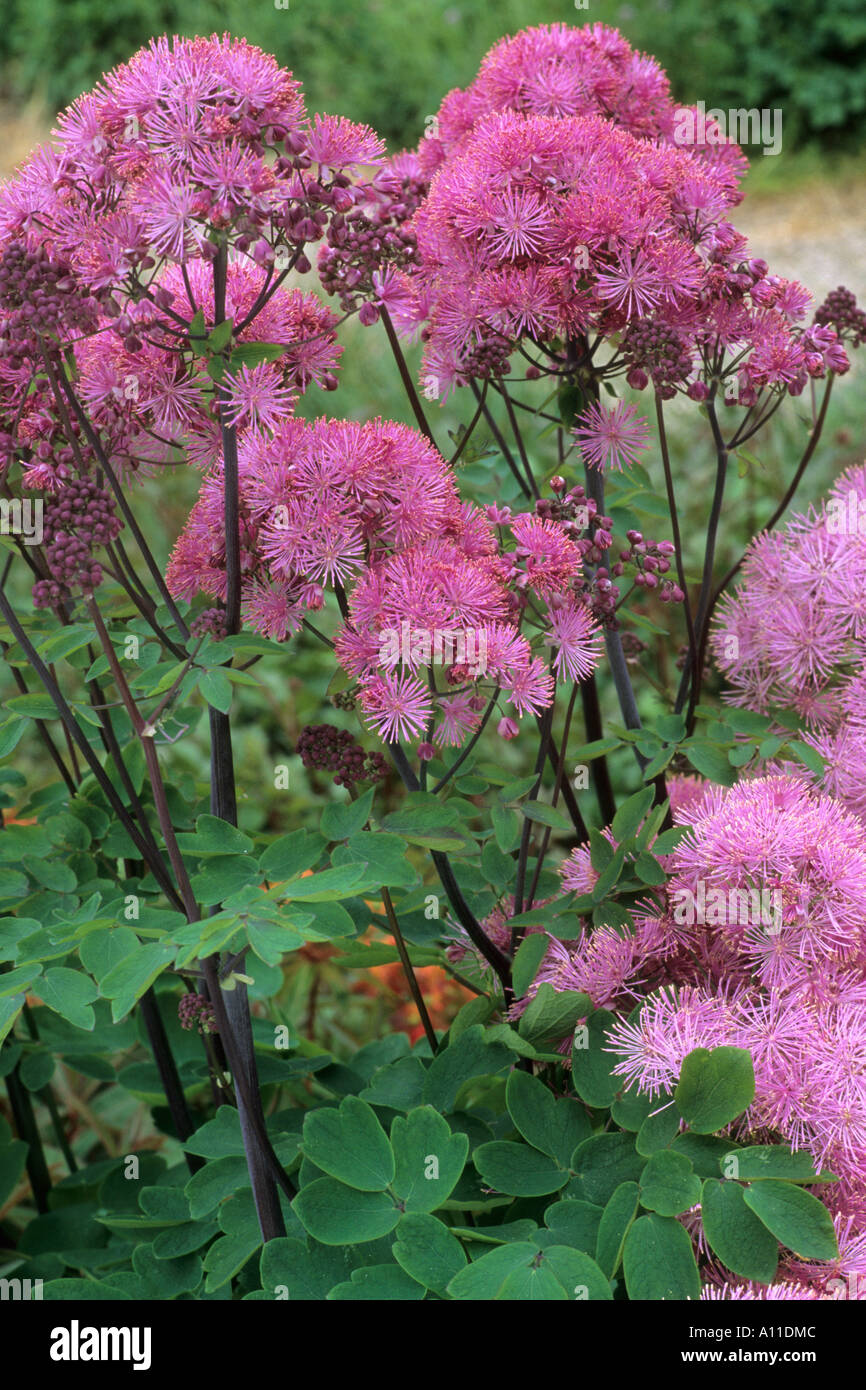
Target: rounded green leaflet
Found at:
555, 1127
734, 1233
485, 1276
658, 1129
427, 1251
758, 1161
349, 1143
532, 1283
669, 1184
385, 1283
658, 1261
574, 1223
796, 1218
715, 1087
339, 1215
428, 1159
578, 1273
523, 1272
518, 1169
615, 1223
603, 1162
592, 1064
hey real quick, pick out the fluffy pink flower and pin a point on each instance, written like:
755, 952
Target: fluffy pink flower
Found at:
612, 436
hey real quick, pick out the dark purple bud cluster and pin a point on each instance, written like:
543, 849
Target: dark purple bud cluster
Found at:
481, 361
652, 560
579, 517
39, 299
657, 351
841, 312
368, 237
76, 520
210, 622
195, 1012
632, 647
327, 749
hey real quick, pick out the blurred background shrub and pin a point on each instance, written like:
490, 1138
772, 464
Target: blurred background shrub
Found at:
389, 62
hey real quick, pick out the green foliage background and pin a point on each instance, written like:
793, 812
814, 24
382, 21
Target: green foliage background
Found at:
389, 62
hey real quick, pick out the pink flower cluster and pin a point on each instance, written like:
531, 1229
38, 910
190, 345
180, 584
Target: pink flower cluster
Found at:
764, 915
566, 200
792, 636
374, 507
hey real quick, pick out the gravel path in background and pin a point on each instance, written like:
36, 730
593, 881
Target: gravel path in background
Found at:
816, 234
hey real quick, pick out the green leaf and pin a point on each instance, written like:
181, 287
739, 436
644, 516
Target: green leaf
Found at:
220, 336
530, 953
69, 993
649, 870
216, 689
399, 1085
484, 1278
506, 827
37, 1070
383, 855
35, 706
217, 1180
349, 1143
575, 1223
428, 1252
630, 814
464, 1060
78, 1290
704, 1151
806, 754
429, 1159
378, 1283
518, 1169
339, 1215
670, 727
431, 825
578, 1274
658, 1261
592, 1065
10, 734
328, 886
291, 855
669, 839
714, 1087
735, 1234
253, 354
596, 749
614, 1226
609, 876
796, 1218
552, 1014
711, 762
659, 1128
231, 1251
555, 1127
305, 1271
669, 1184
127, 981
340, 821
533, 1283
772, 1161
214, 836
542, 814
605, 1161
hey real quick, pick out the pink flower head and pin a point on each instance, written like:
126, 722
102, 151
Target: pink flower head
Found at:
612, 436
